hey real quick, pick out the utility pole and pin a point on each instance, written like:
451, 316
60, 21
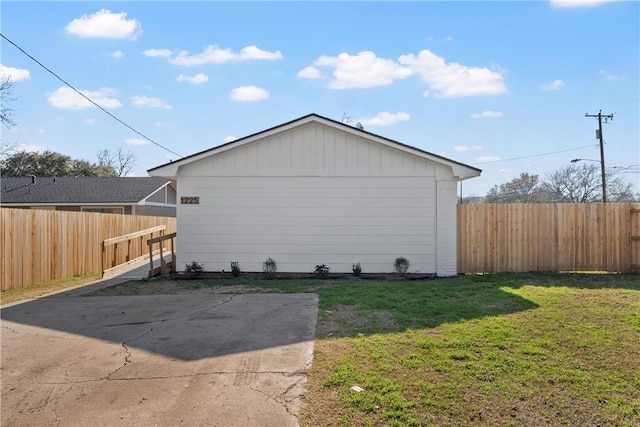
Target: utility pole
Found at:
606, 117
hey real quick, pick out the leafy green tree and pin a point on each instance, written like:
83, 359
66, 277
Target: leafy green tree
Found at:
49, 163
524, 189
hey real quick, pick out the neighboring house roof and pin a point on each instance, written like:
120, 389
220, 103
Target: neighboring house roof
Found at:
170, 170
78, 190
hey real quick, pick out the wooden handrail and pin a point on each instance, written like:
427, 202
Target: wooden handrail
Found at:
129, 238
165, 267
160, 238
133, 235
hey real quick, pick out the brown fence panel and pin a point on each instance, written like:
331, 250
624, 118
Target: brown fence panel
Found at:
42, 245
522, 237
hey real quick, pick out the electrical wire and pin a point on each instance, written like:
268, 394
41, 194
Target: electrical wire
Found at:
89, 99
538, 155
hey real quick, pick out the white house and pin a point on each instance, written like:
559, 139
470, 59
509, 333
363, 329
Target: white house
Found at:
316, 191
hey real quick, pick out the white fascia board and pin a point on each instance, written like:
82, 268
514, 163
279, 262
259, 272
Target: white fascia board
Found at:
170, 171
460, 171
79, 204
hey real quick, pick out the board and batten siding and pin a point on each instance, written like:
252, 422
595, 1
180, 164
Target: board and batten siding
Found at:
316, 195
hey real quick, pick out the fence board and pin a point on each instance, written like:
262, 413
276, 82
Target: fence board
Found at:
548, 237
43, 245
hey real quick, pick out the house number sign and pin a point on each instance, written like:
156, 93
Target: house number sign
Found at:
189, 200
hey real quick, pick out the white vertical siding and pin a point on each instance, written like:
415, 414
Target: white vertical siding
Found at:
314, 195
447, 225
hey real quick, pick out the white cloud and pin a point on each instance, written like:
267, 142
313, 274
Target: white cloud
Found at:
384, 119
453, 80
66, 98
489, 114
608, 76
467, 147
136, 141
194, 80
157, 52
105, 25
310, 73
230, 138
487, 159
117, 54
362, 71
29, 148
216, 55
15, 74
579, 3
554, 85
248, 94
145, 101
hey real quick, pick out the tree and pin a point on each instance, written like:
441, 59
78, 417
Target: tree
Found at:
6, 98
49, 163
570, 184
6, 112
120, 161
583, 184
524, 189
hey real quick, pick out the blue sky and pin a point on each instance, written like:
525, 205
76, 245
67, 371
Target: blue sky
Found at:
502, 86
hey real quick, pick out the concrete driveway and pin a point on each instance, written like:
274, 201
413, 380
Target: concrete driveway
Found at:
162, 360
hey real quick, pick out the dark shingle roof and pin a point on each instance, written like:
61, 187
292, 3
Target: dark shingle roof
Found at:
52, 190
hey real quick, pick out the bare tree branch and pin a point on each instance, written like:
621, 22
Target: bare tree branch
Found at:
6, 97
120, 161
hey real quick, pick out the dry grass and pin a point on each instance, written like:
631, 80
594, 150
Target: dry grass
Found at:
39, 289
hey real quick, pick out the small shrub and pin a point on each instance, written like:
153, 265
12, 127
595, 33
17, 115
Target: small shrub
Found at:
356, 269
321, 270
195, 267
401, 265
269, 266
235, 269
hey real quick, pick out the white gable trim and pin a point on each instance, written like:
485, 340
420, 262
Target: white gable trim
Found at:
170, 170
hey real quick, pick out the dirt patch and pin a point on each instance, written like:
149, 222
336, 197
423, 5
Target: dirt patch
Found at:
347, 321
171, 287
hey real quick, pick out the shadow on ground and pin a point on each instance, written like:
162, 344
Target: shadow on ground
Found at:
186, 327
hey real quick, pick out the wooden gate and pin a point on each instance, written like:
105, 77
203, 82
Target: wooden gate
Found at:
635, 239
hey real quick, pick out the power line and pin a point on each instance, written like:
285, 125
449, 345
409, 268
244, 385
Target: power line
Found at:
537, 155
89, 99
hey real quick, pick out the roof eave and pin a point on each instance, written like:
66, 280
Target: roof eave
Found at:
170, 170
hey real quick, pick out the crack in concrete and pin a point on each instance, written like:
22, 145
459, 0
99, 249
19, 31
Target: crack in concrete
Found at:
128, 354
10, 329
182, 316
278, 398
197, 374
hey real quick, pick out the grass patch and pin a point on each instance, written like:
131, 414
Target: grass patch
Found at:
39, 289
500, 349
539, 349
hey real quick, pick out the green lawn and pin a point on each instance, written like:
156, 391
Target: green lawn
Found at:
521, 350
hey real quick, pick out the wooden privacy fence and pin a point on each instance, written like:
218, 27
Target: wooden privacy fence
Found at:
42, 245
522, 237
